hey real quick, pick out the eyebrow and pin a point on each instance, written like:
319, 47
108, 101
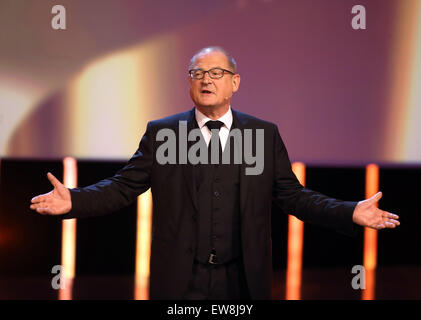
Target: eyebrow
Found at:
211, 68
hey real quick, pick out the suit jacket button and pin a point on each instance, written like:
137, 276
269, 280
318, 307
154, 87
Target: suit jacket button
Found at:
216, 193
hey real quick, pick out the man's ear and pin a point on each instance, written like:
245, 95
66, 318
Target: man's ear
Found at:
235, 82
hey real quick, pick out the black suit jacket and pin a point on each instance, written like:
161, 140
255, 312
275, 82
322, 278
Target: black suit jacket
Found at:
175, 206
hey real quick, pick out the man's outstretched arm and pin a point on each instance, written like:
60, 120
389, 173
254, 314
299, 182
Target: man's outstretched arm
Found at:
314, 207
107, 195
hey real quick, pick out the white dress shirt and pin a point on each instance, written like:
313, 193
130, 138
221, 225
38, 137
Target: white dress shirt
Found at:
223, 132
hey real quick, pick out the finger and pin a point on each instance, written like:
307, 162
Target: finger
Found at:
380, 226
54, 181
395, 222
42, 210
391, 215
39, 205
389, 224
39, 198
36, 199
388, 215
377, 196
35, 206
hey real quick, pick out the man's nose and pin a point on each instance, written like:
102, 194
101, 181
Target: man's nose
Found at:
206, 78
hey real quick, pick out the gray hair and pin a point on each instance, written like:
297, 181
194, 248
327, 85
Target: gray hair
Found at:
231, 61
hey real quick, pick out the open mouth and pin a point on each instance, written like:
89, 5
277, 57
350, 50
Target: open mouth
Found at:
206, 92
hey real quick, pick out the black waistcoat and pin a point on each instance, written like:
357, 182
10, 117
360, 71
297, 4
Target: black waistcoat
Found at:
218, 222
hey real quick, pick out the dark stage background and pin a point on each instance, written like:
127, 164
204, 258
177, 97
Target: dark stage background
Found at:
30, 243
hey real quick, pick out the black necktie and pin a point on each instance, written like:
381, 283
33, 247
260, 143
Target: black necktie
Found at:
215, 124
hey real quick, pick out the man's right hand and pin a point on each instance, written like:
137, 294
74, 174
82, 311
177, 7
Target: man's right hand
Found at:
58, 201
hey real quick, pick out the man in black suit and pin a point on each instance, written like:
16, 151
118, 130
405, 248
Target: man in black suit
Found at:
211, 234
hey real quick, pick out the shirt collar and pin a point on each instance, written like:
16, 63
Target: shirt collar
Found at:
202, 119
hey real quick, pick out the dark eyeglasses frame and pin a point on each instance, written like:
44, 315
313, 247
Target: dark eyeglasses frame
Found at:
208, 71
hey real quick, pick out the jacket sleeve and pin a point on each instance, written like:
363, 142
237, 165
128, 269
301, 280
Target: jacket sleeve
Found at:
305, 204
112, 194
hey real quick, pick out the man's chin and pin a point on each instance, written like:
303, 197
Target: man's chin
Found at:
210, 106
206, 105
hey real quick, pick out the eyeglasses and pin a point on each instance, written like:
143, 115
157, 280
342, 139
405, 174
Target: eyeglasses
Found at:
214, 73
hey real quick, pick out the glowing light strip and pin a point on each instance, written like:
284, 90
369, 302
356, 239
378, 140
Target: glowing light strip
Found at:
412, 141
402, 134
370, 236
295, 246
68, 242
143, 245
0, 212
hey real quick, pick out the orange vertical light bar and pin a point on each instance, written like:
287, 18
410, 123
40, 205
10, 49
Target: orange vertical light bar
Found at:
295, 245
370, 236
143, 245
68, 240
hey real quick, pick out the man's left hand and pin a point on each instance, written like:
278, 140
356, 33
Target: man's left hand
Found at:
367, 214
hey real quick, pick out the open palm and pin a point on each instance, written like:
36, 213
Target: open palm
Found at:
367, 214
58, 201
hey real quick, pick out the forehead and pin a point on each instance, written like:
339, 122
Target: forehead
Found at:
212, 59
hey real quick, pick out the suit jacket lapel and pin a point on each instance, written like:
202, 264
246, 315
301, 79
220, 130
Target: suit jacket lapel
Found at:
188, 169
240, 122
